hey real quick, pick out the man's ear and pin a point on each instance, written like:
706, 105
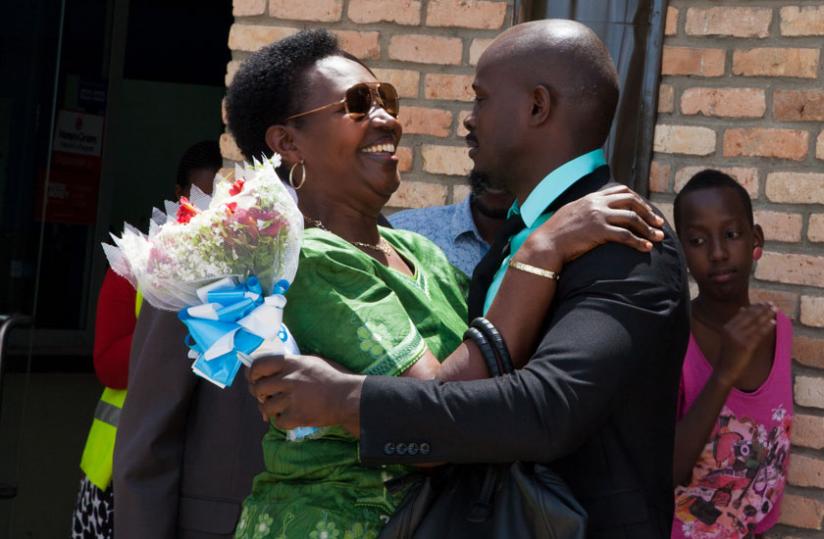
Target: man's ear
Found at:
541, 105
280, 139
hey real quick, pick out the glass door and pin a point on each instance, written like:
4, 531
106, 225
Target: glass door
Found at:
54, 70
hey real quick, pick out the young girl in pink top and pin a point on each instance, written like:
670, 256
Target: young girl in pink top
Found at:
732, 441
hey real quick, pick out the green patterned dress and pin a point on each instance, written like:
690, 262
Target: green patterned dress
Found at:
346, 306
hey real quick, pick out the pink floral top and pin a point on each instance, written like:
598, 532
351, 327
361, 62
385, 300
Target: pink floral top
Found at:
738, 482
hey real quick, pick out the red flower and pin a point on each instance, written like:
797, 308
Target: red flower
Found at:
231, 207
185, 211
237, 187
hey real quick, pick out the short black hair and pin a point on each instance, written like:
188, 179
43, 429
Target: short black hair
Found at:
204, 154
712, 179
269, 86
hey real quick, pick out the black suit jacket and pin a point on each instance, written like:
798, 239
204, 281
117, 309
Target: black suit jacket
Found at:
186, 450
596, 400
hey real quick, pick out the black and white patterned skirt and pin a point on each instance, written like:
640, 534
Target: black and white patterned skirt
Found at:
93, 513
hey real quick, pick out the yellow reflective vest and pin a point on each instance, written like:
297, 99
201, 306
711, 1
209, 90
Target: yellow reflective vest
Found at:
98, 455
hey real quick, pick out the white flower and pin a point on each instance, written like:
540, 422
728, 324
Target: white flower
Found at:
177, 258
779, 413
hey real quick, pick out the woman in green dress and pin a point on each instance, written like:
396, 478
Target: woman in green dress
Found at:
373, 299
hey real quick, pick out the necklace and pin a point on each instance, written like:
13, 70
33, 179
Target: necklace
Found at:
382, 245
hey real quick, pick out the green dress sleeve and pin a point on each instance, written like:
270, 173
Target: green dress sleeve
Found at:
339, 309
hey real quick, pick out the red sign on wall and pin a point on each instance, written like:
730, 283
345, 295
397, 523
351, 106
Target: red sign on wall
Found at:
75, 170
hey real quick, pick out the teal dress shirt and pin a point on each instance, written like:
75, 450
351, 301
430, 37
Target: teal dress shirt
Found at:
533, 212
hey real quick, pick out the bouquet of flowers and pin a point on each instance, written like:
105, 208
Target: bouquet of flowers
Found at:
223, 263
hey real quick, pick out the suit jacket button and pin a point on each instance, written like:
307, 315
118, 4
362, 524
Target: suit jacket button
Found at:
425, 449
389, 449
401, 449
412, 448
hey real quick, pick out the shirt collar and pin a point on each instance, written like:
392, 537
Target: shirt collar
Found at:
462, 221
555, 183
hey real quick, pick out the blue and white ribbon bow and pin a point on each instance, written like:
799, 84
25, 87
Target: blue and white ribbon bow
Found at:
233, 321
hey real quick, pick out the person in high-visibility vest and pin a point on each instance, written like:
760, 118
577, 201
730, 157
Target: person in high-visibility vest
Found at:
118, 307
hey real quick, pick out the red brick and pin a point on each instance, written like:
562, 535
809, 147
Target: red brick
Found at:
728, 21
398, 11
812, 311
671, 26
452, 87
780, 226
466, 14
228, 148
425, 121
659, 174
747, 177
412, 194
787, 302
808, 391
251, 37
724, 102
776, 62
242, 8
791, 268
802, 21
477, 48
795, 187
307, 10
406, 81
801, 512
809, 351
684, 139
459, 193
231, 69
362, 45
798, 105
404, 158
449, 160
807, 471
815, 228
666, 98
426, 49
690, 61
758, 142
808, 431
819, 146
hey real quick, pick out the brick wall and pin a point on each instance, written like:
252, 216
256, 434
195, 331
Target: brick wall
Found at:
741, 90
426, 48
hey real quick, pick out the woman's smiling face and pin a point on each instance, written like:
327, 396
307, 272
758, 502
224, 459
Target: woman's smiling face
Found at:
346, 155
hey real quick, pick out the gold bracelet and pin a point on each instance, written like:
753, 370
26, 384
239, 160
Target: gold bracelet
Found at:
534, 270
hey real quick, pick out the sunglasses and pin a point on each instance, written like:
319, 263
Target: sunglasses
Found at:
360, 98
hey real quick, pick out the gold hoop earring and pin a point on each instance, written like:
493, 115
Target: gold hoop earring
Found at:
302, 175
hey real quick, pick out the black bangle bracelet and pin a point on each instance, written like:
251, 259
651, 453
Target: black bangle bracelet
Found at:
495, 338
486, 350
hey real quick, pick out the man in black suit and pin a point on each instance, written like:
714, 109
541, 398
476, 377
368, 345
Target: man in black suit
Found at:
597, 398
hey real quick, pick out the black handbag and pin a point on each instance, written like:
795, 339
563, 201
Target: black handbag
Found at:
488, 500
